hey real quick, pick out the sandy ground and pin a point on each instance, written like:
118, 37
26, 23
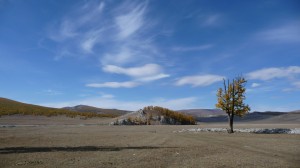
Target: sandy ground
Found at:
78, 145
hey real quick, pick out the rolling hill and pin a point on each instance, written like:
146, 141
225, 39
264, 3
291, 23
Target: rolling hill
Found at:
11, 107
215, 115
203, 112
84, 108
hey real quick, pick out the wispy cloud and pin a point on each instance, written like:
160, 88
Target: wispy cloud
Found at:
271, 73
80, 30
286, 33
141, 74
200, 80
115, 33
147, 70
90, 39
193, 48
153, 77
122, 56
130, 22
132, 38
71, 25
129, 84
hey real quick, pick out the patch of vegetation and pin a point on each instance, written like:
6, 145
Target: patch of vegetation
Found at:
169, 116
155, 115
10, 107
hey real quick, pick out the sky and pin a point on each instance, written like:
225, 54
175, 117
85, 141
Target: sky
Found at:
130, 54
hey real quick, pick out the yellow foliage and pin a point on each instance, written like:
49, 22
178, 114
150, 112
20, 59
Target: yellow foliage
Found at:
9, 107
231, 99
176, 116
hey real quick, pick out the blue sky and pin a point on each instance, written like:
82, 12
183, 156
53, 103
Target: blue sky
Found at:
130, 54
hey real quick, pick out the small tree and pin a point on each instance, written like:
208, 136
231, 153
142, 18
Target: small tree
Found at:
231, 99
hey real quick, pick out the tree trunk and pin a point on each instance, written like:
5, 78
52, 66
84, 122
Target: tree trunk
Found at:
230, 118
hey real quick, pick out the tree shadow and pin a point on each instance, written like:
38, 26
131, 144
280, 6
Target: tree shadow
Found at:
13, 150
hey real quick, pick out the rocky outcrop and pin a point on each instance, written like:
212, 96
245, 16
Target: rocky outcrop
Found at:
154, 116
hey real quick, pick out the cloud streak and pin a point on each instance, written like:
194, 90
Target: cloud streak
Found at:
286, 33
131, 22
140, 75
274, 72
80, 30
129, 84
193, 48
147, 70
199, 81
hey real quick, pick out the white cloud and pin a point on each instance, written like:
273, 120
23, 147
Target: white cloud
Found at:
153, 78
123, 56
70, 25
130, 22
88, 44
122, 35
90, 39
148, 72
89, 12
112, 103
270, 73
200, 80
68, 32
128, 84
286, 33
193, 48
255, 85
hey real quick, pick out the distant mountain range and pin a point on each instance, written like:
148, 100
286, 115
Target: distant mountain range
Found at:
216, 115
10, 107
84, 108
203, 112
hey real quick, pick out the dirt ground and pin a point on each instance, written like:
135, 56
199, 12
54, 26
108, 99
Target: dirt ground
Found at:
78, 145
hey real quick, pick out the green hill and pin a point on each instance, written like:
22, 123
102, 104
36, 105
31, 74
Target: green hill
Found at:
11, 107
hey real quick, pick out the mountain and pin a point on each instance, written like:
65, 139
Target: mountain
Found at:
203, 112
11, 107
84, 108
215, 115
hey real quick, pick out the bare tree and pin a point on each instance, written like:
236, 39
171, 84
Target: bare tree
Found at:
231, 99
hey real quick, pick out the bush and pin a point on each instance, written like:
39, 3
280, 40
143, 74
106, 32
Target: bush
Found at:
171, 117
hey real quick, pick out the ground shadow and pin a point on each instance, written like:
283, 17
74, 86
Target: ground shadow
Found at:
12, 150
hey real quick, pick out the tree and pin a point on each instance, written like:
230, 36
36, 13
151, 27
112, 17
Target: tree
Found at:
231, 99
